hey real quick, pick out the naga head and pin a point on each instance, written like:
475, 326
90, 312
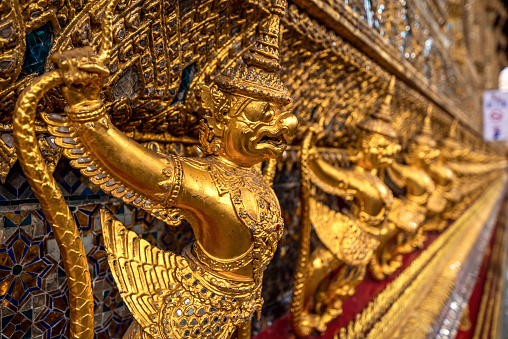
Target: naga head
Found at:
246, 122
422, 149
377, 140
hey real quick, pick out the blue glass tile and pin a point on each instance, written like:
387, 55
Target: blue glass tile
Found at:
28, 334
61, 272
16, 186
121, 210
6, 320
146, 235
8, 223
26, 221
38, 44
187, 76
28, 314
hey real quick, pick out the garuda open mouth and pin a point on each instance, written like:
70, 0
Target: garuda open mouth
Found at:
274, 140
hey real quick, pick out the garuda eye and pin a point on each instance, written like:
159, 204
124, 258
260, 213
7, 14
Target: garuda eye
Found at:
268, 115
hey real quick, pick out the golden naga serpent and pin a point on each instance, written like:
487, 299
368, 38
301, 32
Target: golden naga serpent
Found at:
297, 302
49, 195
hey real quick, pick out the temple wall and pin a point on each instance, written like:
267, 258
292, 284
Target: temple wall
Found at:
337, 61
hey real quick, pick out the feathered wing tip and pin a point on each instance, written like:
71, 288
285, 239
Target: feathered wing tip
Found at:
139, 269
346, 237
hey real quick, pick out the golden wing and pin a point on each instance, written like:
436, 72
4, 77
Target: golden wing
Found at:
139, 269
167, 298
341, 235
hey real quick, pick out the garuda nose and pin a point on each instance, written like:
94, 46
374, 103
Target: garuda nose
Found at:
287, 122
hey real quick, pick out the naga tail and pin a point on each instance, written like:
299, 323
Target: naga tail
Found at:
297, 300
50, 197
54, 207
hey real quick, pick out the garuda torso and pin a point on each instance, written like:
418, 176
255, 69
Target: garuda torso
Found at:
196, 293
412, 207
255, 206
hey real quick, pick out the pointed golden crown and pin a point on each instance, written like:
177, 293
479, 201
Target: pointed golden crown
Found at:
453, 128
452, 141
258, 75
380, 121
425, 137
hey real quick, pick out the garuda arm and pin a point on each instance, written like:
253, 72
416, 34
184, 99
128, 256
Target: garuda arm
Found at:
369, 197
442, 175
418, 183
329, 178
119, 165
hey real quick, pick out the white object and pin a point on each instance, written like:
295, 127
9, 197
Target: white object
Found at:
503, 80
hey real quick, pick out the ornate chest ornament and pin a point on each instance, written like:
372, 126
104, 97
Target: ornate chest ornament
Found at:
214, 286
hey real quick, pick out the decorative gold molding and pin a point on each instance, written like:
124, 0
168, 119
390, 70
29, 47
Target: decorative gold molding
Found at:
348, 25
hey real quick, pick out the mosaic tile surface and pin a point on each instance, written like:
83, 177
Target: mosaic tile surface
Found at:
33, 285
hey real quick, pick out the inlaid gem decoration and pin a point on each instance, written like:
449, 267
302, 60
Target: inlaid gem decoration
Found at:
38, 44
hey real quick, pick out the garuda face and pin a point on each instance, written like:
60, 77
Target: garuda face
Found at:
245, 130
422, 153
377, 150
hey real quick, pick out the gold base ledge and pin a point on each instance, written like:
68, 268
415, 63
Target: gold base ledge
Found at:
491, 314
429, 297
450, 317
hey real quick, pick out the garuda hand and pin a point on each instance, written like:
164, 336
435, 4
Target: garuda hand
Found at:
83, 76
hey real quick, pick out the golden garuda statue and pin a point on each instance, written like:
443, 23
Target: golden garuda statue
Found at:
406, 215
424, 154
214, 286
330, 273
404, 232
